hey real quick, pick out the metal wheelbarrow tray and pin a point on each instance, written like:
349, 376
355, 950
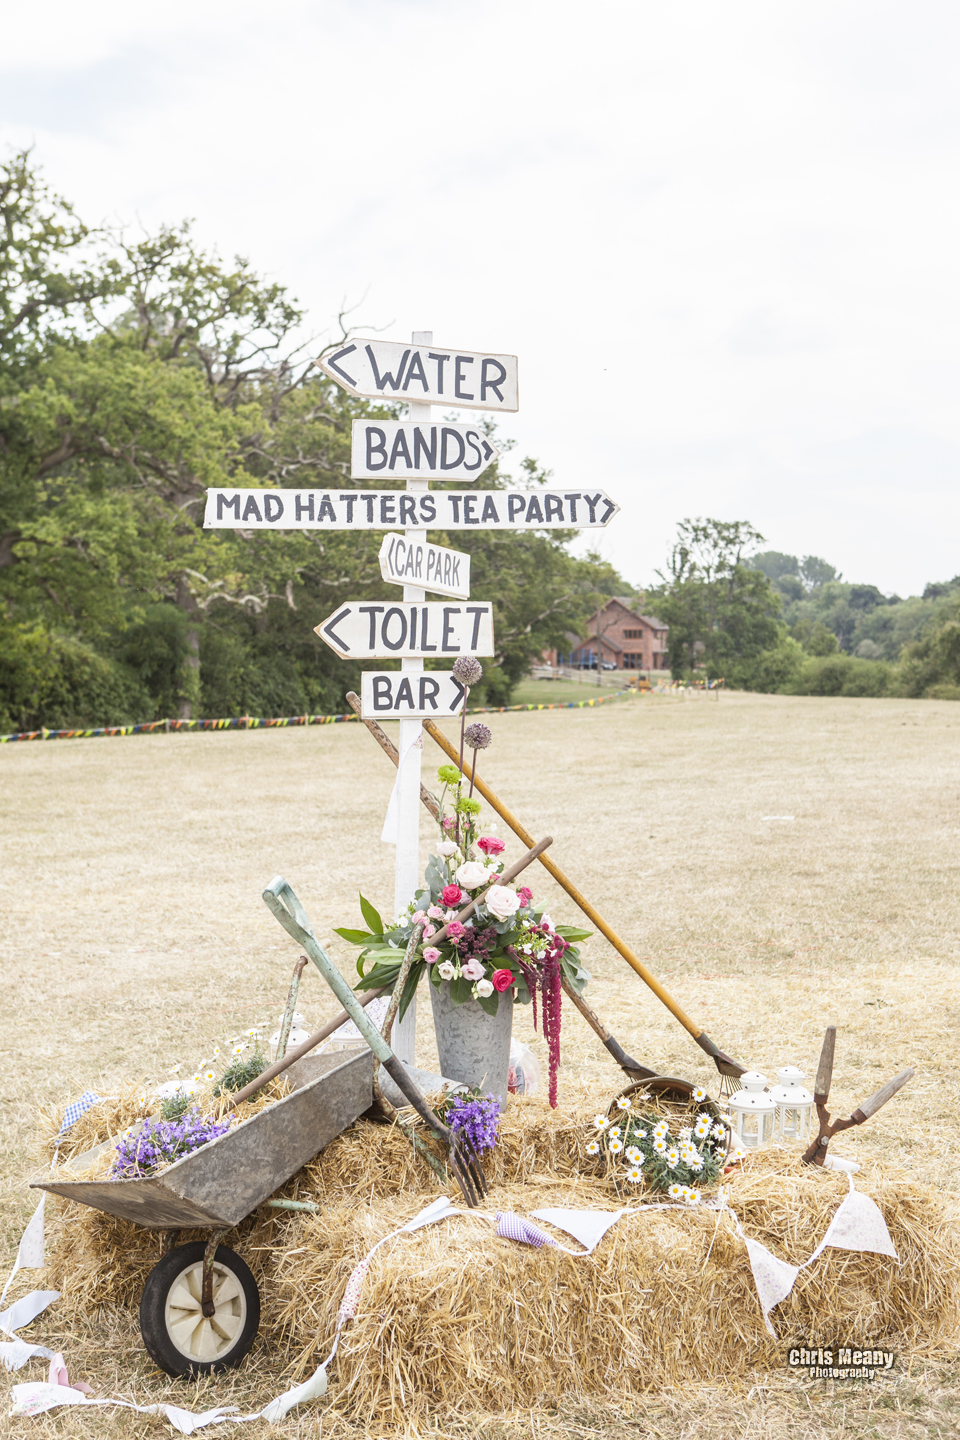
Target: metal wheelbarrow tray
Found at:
218, 1185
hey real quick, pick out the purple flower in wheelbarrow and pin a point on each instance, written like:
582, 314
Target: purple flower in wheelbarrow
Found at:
477, 1119
154, 1143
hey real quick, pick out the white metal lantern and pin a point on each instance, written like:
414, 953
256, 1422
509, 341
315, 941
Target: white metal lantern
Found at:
753, 1111
296, 1037
794, 1105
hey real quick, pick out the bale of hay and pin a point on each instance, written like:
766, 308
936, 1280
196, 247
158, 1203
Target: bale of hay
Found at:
455, 1321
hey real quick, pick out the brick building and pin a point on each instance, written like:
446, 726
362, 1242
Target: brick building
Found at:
619, 635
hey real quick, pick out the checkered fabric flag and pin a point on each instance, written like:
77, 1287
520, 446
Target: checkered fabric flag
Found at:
75, 1110
514, 1227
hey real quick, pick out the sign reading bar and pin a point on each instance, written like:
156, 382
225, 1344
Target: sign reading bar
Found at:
361, 630
416, 562
417, 451
421, 510
409, 695
425, 374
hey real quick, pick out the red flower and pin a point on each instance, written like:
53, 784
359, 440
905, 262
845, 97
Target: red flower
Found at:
452, 895
490, 845
502, 979
525, 895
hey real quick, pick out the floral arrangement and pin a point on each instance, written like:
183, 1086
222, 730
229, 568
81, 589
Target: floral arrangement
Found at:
506, 947
156, 1143
475, 1116
639, 1145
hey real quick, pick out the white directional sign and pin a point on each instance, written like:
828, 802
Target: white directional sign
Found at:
425, 374
361, 630
416, 562
413, 450
422, 510
409, 695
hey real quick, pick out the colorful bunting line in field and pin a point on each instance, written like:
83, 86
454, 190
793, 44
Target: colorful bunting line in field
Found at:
254, 722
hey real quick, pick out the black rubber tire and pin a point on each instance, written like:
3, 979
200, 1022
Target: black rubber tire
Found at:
157, 1339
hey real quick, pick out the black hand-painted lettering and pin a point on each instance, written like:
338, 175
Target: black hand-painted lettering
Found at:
459, 378
592, 503
429, 690
408, 509
447, 635
405, 694
382, 692
415, 371
428, 508
326, 511
489, 511
495, 384
329, 631
453, 570
351, 501
381, 381
455, 502
411, 568
400, 448
471, 439
300, 509
553, 507
419, 560
609, 510
425, 631
573, 504
469, 501
376, 446
516, 504
373, 611
394, 565
388, 513
272, 508
385, 624
369, 501
420, 447
445, 434
441, 361
251, 511
478, 612
458, 698
224, 503
533, 510
331, 363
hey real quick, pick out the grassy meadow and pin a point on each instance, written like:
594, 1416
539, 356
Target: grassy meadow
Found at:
779, 863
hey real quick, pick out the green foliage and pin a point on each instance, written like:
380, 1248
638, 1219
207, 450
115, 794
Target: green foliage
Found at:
844, 675
931, 665
174, 1107
240, 1072
55, 681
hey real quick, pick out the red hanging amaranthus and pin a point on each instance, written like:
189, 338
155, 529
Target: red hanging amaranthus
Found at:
544, 975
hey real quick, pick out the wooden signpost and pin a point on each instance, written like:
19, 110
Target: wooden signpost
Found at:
414, 450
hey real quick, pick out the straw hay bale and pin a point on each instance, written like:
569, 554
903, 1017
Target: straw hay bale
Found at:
454, 1321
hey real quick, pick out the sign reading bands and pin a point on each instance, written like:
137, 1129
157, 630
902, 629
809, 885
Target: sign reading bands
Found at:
421, 510
362, 630
404, 561
427, 375
409, 695
416, 451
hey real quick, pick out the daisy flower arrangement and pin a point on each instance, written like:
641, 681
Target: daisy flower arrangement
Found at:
639, 1147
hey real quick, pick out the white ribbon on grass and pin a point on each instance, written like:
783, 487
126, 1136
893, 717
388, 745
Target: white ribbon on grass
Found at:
391, 822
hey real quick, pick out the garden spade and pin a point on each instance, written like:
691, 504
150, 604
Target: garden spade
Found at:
464, 1160
816, 1154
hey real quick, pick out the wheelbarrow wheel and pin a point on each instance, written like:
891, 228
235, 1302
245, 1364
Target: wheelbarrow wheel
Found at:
176, 1333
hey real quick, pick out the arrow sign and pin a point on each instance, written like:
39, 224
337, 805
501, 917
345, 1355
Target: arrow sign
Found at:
361, 630
416, 562
250, 509
426, 374
409, 695
414, 451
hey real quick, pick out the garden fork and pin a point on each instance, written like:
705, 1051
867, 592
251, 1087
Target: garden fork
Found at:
463, 1158
816, 1154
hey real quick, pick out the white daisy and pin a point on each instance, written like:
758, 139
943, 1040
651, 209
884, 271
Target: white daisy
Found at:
675, 1192
718, 1132
623, 1103
673, 1158
699, 1094
238, 1049
634, 1155
660, 1145
696, 1162
209, 1075
615, 1146
635, 1175
702, 1127
593, 1148
692, 1196
615, 1132
601, 1122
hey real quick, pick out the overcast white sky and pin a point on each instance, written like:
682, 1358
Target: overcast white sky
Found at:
722, 238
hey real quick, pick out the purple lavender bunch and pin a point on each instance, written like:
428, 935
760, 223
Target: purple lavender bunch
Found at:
160, 1142
478, 1120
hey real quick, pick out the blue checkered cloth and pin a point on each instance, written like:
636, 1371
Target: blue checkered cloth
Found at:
79, 1107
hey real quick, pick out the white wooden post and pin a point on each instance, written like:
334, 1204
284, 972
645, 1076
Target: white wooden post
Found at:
408, 876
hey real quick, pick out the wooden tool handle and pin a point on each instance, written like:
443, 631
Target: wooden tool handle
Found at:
825, 1068
885, 1093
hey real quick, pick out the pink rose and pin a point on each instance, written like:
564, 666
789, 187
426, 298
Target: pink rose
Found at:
491, 845
502, 979
430, 954
455, 930
452, 895
418, 915
429, 930
525, 895
472, 970
448, 822
435, 912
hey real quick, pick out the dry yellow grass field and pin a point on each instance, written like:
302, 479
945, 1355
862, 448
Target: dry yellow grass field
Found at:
779, 863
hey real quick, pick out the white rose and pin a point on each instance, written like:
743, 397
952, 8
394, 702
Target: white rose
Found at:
484, 988
502, 902
446, 849
471, 875
446, 970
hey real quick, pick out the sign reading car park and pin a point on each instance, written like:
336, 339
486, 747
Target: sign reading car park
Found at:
409, 694
361, 630
416, 451
247, 509
405, 561
425, 374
